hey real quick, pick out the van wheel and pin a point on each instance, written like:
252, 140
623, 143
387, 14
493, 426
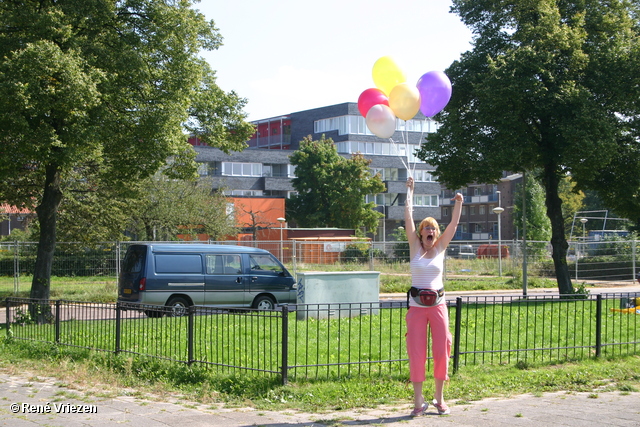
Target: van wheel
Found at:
154, 313
178, 306
264, 302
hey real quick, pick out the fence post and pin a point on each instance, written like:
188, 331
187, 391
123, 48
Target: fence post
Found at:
370, 256
117, 259
57, 321
598, 325
190, 334
633, 261
294, 260
118, 326
284, 369
456, 340
16, 268
8, 320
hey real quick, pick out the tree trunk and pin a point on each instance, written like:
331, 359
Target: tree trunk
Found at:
47, 213
148, 229
558, 241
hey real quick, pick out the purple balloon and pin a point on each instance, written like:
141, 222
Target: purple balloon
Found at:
435, 92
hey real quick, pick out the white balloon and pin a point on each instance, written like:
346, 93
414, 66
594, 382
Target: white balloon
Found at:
381, 121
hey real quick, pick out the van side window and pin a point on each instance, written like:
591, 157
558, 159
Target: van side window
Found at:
179, 263
223, 264
265, 263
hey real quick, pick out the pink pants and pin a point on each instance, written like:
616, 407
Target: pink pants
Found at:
437, 319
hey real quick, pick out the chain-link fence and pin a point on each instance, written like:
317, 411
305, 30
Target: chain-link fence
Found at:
604, 261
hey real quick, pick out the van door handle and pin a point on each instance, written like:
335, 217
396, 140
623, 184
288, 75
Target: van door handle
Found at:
239, 280
254, 278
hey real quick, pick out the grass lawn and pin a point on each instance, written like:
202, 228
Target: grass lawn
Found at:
109, 375
566, 369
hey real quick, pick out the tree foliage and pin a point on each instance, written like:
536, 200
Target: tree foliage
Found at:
548, 85
538, 227
572, 202
96, 95
332, 189
168, 207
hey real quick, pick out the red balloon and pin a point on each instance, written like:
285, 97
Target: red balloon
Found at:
369, 98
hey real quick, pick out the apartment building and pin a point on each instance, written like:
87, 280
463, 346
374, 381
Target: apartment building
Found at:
263, 169
478, 220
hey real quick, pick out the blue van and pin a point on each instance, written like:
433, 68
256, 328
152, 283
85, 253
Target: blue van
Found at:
177, 276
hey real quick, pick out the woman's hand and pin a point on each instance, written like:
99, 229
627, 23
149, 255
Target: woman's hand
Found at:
410, 183
458, 197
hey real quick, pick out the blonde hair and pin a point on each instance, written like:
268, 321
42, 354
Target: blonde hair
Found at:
431, 222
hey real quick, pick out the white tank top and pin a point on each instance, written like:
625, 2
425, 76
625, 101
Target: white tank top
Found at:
426, 273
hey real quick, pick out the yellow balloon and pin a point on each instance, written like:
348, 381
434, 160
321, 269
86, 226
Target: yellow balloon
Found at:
386, 74
404, 101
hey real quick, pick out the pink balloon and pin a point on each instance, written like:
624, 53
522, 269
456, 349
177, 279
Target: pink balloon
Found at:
435, 92
369, 98
381, 121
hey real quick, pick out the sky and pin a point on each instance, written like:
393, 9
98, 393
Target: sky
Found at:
285, 56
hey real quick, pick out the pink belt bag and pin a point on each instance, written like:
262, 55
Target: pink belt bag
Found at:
426, 297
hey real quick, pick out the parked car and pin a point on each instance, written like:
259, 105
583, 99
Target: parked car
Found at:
461, 251
180, 275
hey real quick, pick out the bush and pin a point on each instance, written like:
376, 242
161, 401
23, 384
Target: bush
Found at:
359, 253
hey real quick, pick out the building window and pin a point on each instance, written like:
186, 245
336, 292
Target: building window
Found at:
478, 228
241, 169
246, 193
445, 211
472, 210
422, 176
356, 125
481, 209
380, 199
425, 200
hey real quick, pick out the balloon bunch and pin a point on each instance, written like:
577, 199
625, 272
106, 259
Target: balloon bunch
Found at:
394, 97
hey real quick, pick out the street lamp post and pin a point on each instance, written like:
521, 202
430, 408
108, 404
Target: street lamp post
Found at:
498, 211
281, 221
579, 253
583, 221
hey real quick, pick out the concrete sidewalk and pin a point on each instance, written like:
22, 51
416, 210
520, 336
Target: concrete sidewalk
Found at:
28, 401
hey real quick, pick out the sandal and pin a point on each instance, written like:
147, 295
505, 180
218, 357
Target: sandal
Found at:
442, 409
420, 411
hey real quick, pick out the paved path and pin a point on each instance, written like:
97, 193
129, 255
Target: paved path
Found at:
34, 396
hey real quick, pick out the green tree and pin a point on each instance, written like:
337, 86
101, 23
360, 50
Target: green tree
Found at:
168, 207
332, 189
401, 249
548, 85
572, 201
538, 224
106, 86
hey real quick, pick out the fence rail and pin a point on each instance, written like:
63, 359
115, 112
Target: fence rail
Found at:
598, 261
327, 341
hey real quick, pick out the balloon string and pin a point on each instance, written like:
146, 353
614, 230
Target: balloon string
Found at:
395, 148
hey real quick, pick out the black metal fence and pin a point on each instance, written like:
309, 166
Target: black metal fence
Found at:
328, 341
